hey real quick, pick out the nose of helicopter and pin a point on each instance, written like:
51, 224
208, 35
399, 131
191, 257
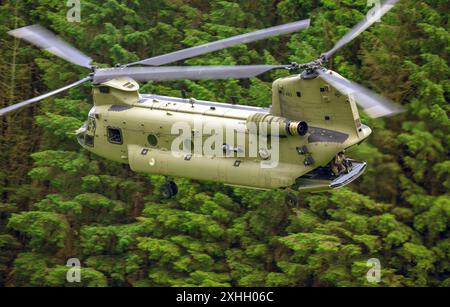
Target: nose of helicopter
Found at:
85, 132
80, 133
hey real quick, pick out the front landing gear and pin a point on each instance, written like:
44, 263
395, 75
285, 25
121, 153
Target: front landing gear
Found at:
291, 200
168, 190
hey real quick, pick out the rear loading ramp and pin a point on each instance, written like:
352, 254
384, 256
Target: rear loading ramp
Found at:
323, 179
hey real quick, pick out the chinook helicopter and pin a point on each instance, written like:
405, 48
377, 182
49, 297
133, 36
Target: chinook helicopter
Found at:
312, 121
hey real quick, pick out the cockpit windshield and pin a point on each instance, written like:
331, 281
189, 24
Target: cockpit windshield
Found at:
86, 134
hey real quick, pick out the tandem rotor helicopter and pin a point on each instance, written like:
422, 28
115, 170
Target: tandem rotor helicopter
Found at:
315, 114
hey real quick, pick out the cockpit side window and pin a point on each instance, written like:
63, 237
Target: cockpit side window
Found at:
115, 136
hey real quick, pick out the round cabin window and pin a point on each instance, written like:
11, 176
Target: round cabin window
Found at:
152, 140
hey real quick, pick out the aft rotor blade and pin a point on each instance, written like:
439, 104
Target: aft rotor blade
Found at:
224, 43
373, 104
183, 72
46, 40
362, 26
39, 98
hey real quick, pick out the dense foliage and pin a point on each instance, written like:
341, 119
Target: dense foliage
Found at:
58, 201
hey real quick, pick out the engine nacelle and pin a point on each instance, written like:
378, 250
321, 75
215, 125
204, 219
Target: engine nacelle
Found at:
276, 125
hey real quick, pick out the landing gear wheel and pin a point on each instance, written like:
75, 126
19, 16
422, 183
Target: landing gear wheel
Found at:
291, 200
168, 190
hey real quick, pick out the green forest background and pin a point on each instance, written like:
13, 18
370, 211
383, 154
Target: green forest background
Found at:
58, 201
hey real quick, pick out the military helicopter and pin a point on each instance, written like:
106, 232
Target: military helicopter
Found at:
312, 121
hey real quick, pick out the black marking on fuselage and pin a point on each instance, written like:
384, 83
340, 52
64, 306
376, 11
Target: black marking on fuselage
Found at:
321, 135
119, 108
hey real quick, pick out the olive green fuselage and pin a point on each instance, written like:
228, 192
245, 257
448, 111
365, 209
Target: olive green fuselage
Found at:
140, 130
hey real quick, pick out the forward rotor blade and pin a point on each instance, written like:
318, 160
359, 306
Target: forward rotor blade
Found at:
46, 40
183, 72
225, 43
362, 26
39, 98
373, 104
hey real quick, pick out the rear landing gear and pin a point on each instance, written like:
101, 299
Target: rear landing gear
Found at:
168, 190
